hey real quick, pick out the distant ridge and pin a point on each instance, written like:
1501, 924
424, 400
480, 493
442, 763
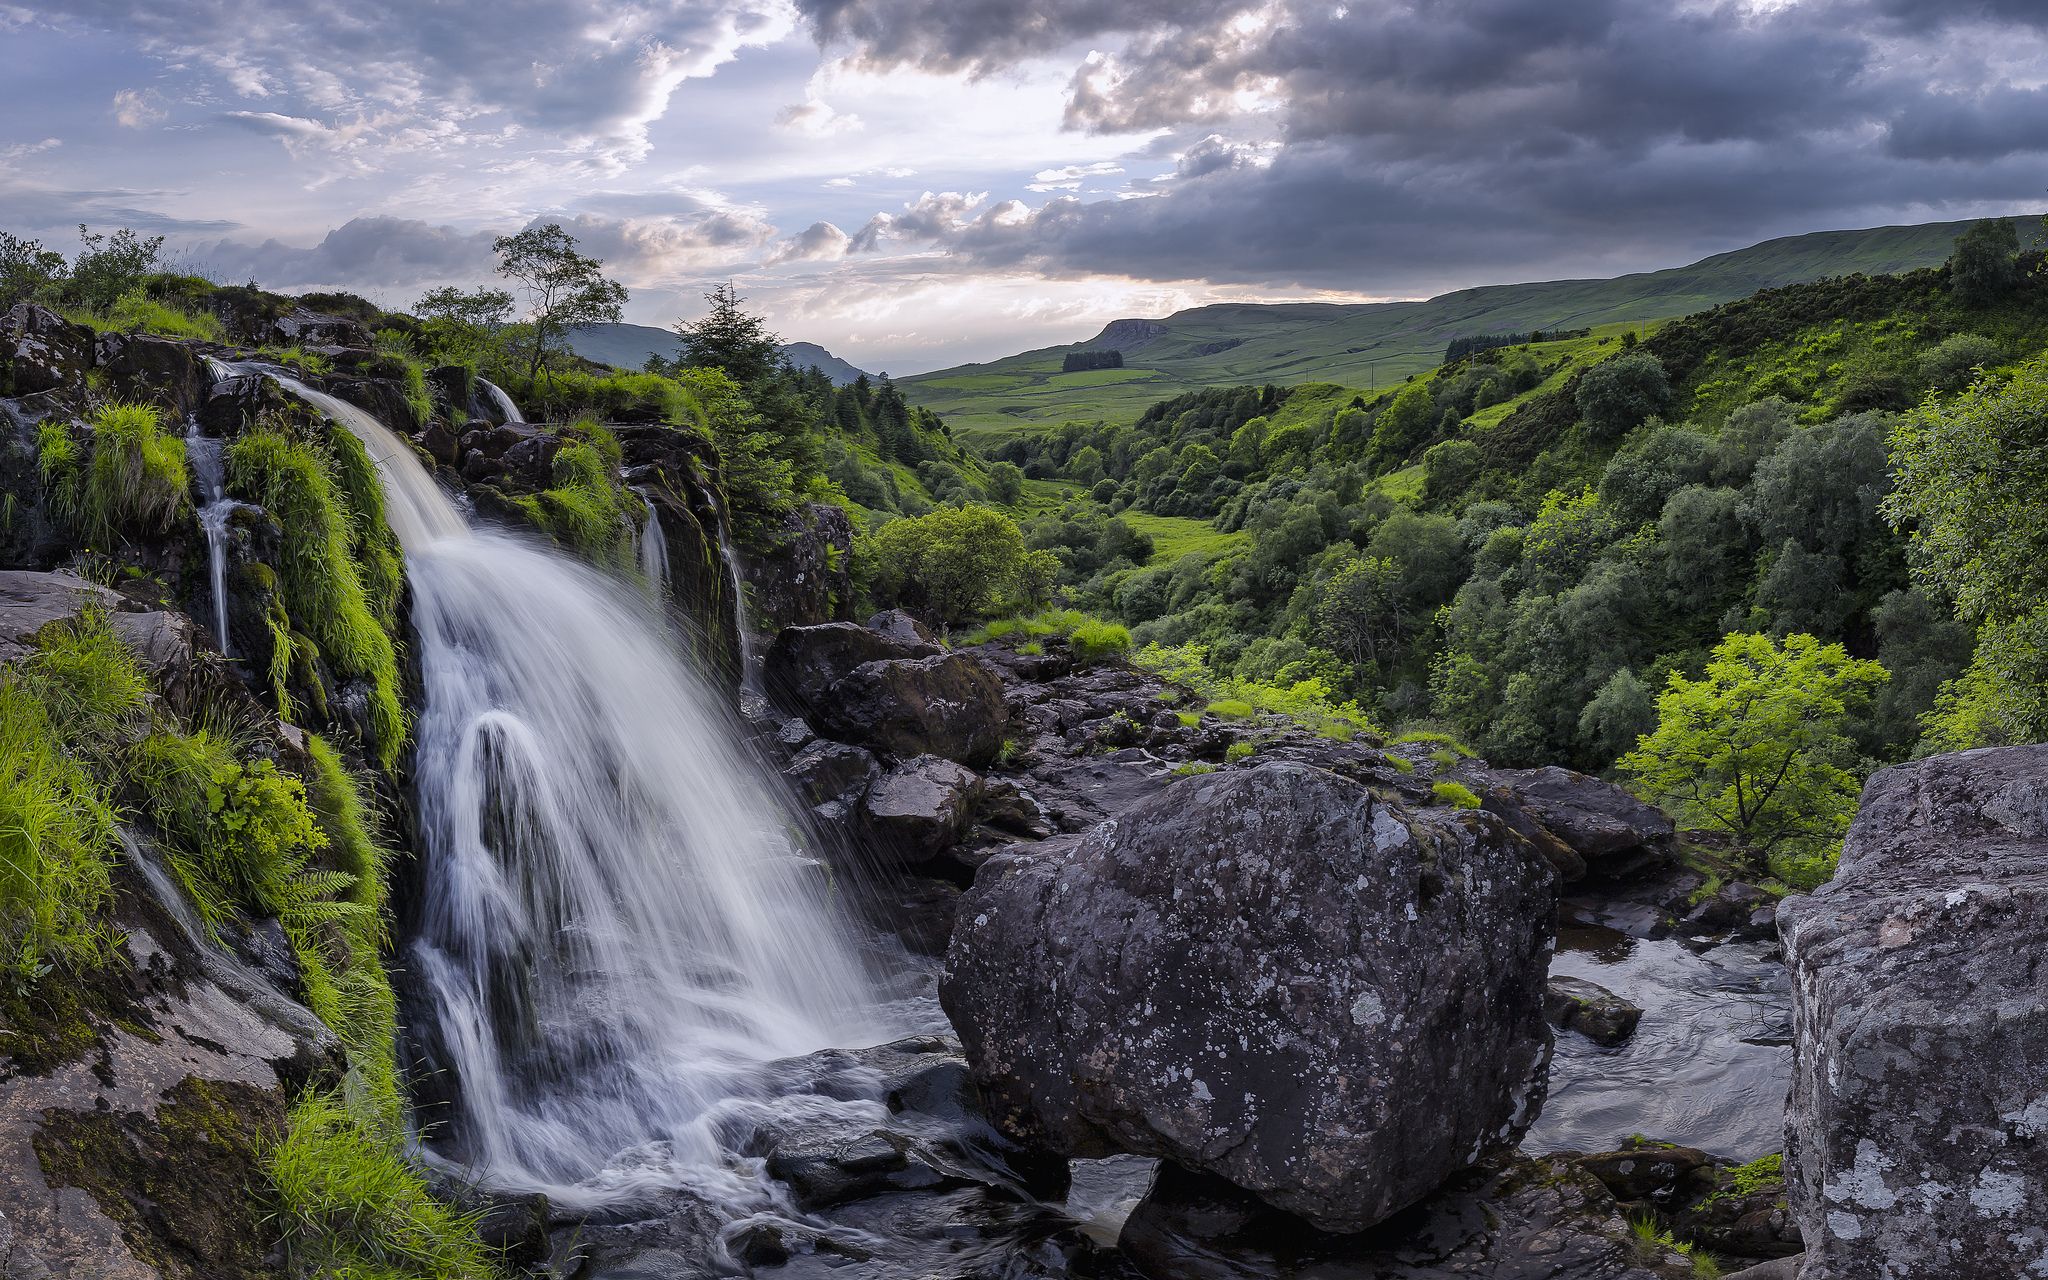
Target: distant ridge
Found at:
1367, 344
627, 346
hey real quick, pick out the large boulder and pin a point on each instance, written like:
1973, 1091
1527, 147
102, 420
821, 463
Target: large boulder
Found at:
42, 351
804, 663
803, 577
920, 809
1614, 834
162, 371
1919, 1113
948, 705
1269, 974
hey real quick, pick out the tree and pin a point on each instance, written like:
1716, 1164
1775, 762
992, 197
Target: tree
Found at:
1951, 364
1448, 469
108, 266
954, 564
564, 289
1005, 483
1966, 471
1985, 264
730, 340
28, 272
1758, 747
1406, 421
756, 481
1359, 615
462, 326
1615, 397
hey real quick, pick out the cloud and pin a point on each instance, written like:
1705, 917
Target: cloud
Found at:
932, 216
816, 119
819, 242
1415, 144
37, 207
589, 74
138, 108
1070, 177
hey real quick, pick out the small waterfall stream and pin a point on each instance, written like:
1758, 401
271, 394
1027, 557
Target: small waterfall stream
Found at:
503, 401
750, 662
654, 552
617, 930
203, 453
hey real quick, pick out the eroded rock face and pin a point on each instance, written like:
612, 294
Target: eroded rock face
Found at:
803, 578
1919, 1113
1269, 974
920, 809
946, 705
42, 351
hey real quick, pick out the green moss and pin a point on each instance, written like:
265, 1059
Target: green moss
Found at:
1192, 768
1402, 764
323, 585
1237, 751
1188, 719
176, 1182
1455, 794
1095, 640
136, 312
586, 509
1231, 709
1744, 1180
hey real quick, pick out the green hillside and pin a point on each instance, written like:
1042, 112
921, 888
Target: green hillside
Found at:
1375, 344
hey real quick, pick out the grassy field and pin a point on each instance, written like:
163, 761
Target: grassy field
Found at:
1176, 536
1378, 344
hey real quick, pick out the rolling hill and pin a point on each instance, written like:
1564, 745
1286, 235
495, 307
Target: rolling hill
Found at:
1368, 344
627, 346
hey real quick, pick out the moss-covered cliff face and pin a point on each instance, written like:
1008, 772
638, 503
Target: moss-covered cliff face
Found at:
199, 1065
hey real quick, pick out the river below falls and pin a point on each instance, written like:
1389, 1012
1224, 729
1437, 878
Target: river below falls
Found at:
1707, 1067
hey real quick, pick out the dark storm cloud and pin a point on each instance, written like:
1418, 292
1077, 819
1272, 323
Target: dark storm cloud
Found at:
1412, 142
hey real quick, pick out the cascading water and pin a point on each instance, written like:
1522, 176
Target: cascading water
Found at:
503, 401
204, 455
653, 552
750, 663
617, 933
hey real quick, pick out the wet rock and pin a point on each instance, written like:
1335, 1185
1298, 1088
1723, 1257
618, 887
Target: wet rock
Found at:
1574, 1004
919, 809
677, 1239
825, 771
803, 578
1776, 1269
1726, 911
42, 351
804, 663
1615, 834
827, 1170
1658, 1172
898, 624
161, 371
948, 705
1508, 1219
1243, 973
1919, 1090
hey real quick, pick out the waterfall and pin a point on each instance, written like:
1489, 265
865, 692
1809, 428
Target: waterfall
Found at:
654, 552
617, 931
503, 401
750, 663
215, 507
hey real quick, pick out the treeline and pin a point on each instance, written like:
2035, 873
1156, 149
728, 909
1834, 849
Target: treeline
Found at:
1473, 344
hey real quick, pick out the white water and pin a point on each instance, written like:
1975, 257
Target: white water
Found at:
204, 455
750, 662
503, 401
617, 932
654, 553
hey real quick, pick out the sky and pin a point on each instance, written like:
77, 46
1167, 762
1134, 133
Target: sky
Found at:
919, 183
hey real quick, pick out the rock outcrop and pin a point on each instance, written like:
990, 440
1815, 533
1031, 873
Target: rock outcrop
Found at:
1919, 1114
1272, 975
1574, 1004
947, 705
1614, 834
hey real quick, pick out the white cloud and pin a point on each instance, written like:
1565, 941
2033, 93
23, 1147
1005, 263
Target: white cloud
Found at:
1070, 177
138, 108
816, 118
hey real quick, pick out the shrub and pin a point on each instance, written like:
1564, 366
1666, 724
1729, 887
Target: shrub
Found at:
954, 565
1095, 640
1615, 396
1237, 751
1455, 794
586, 509
1949, 365
131, 480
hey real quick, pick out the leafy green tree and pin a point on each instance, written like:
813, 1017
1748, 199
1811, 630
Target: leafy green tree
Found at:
1968, 471
464, 326
564, 289
1985, 265
28, 272
109, 265
757, 482
1448, 469
1759, 747
1407, 421
1005, 483
1615, 396
954, 565
729, 339
1361, 616
1618, 715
